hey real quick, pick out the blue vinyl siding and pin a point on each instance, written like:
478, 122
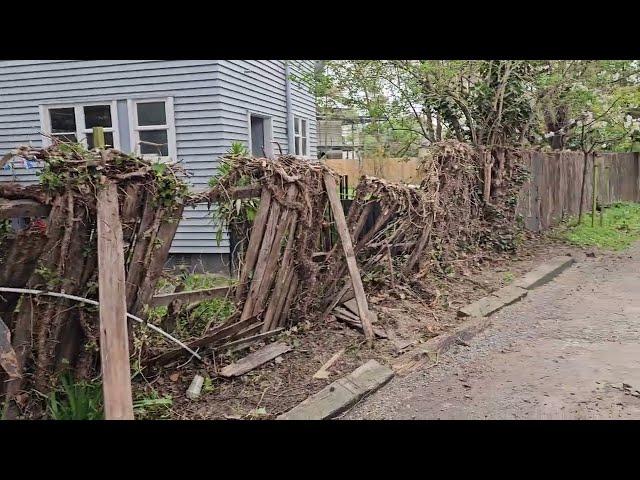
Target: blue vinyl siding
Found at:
212, 100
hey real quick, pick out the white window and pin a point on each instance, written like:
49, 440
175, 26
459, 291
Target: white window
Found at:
152, 126
301, 136
75, 122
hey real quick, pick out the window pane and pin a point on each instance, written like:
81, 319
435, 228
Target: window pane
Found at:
97, 116
257, 137
298, 146
304, 146
62, 120
157, 137
151, 114
108, 139
296, 126
304, 128
67, 138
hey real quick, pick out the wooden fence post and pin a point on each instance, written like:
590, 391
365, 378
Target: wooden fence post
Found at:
347, 245
595, 192
98, 137
637, 155
607, 192
114, 337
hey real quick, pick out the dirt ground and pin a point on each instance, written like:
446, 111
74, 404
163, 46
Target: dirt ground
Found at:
407, 315
564, 352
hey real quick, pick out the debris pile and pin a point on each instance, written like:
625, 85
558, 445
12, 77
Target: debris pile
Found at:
302, 262
284, 271
301, 257
60, 255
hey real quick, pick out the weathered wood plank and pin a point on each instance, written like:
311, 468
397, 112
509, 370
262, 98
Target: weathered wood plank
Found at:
351, 305
259, 336
255, 359
274, 257
283, 280
8, 359
261, 263
114, 343
347, 246
352, 320
323, 372
156, 258
22, 208
257, 232
417, 251
190, 296
293, 288
217, 194
219, 334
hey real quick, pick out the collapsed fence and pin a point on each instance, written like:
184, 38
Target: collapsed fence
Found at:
300, 257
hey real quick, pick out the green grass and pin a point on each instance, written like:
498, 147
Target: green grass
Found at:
197, 281
76, 400
195, 321
151, 406
621, 228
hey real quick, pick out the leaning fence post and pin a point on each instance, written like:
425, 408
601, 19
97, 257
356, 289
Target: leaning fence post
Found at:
114, 336
347, 246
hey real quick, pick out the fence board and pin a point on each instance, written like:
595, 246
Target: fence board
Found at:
553, 191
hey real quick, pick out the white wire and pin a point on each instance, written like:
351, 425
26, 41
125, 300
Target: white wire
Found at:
93, 302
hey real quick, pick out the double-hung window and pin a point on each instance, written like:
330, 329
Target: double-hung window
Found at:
152, 128
301, 136
75, 123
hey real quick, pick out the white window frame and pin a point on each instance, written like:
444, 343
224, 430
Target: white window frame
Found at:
81, 130
170, 126
268, 132
297, 137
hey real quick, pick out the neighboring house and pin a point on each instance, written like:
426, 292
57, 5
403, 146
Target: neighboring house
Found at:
340, 134
191, 110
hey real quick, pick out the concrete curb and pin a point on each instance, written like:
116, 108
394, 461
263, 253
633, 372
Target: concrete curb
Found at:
479, 311
544, 273
341, 394
493, 302
518, 290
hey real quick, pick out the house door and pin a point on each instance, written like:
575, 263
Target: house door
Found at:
258, 148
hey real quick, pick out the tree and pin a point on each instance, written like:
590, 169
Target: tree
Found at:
486, 103
586, 104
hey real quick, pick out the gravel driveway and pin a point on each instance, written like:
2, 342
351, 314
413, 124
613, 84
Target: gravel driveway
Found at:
564, 352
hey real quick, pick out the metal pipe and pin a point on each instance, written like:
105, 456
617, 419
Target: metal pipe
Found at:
291, 149
30, 291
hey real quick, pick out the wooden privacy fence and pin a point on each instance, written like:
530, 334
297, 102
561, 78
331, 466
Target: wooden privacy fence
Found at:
391, 169
553, 191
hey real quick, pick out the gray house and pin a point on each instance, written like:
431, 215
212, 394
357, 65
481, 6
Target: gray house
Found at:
190, 110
